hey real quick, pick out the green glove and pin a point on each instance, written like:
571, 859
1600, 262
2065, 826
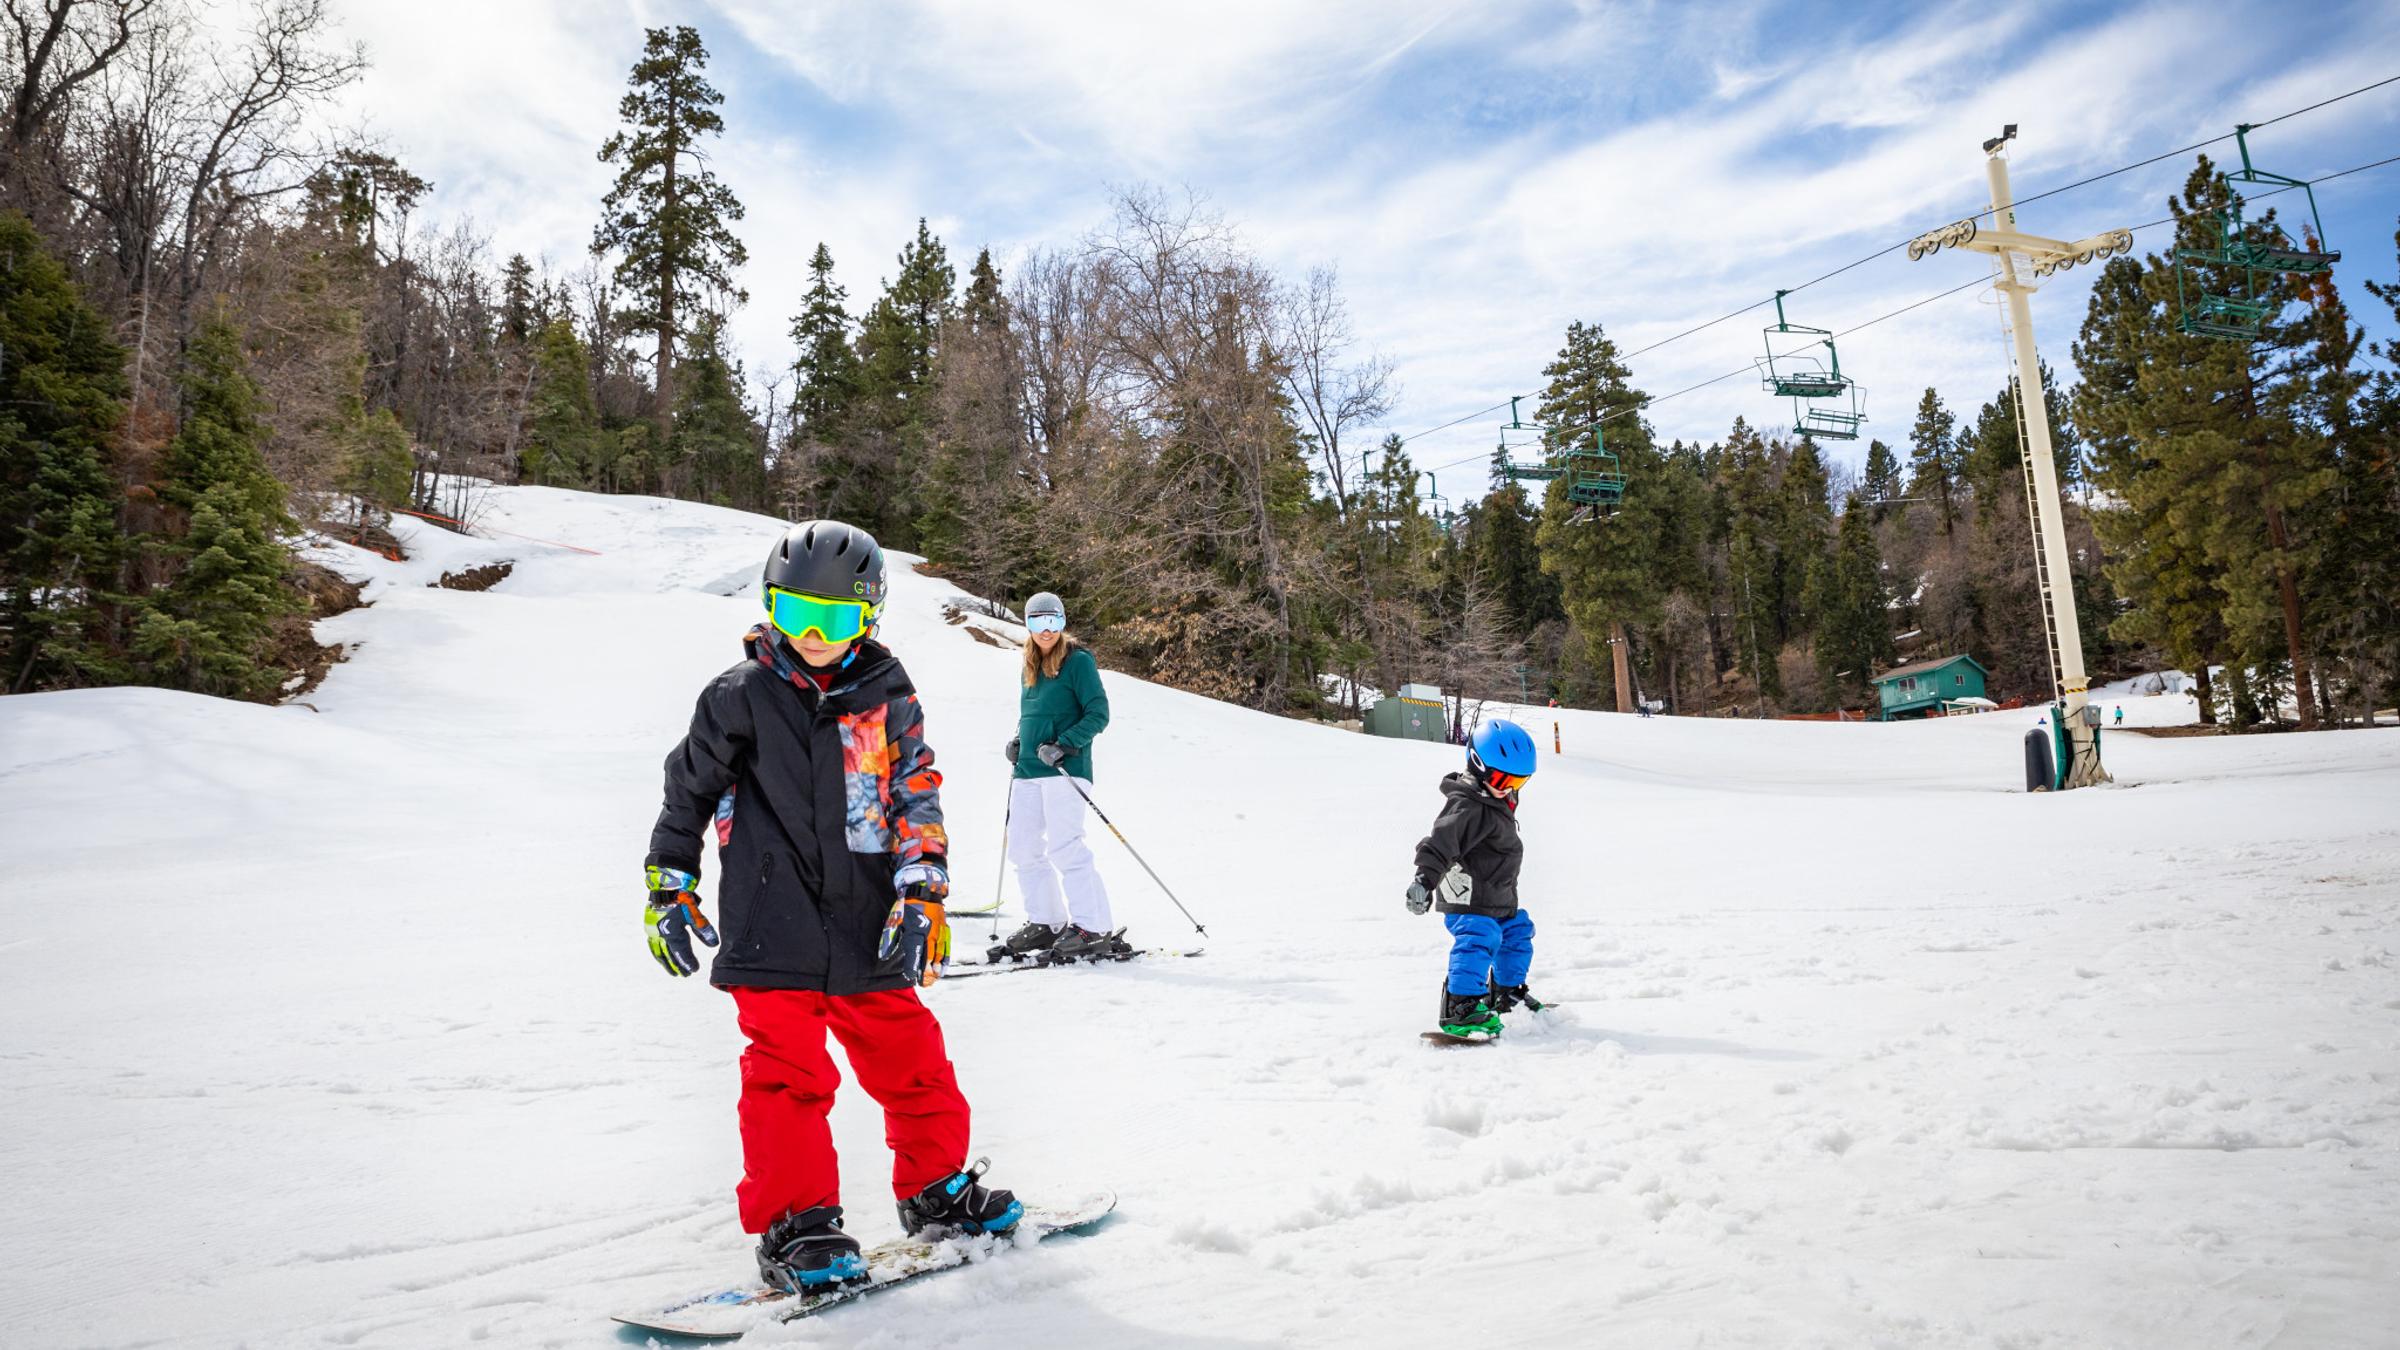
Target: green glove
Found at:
672, 914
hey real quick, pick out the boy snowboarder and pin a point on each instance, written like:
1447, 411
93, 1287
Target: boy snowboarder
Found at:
1468, 866
809, 760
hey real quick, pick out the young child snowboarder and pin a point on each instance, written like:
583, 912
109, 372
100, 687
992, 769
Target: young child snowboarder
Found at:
1468, 866
809, 760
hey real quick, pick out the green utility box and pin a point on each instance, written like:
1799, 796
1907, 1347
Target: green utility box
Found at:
1415, 714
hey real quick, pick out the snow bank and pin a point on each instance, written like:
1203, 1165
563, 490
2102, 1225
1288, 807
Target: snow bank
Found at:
333, 1026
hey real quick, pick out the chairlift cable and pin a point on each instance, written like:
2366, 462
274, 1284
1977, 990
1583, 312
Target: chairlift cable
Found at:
1988, 210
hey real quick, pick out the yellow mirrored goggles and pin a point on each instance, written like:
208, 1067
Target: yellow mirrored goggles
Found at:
796, 615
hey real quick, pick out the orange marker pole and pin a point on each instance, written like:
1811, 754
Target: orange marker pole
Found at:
1555, 747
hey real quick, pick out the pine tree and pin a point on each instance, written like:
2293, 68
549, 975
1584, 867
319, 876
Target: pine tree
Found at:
977, 445
1852, 608
1505, 553
1614, 573
212, 628
715, 448
520, 300
1934, 455
828, 365
1803, 532
564, 445
667, 213
1745, 480
62, 392
898, 343
1883, 486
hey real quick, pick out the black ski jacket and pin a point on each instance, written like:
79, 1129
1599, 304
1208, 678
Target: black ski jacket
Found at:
1477, 831
817, 799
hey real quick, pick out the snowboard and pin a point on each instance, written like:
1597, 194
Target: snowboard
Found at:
1445, 1038
970, 969
726, 1314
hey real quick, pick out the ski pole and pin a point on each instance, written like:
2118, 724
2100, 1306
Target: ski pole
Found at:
1000, 883
1129, 848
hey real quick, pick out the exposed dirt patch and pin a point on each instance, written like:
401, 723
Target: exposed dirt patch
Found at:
326, 593
475, 578
367, 535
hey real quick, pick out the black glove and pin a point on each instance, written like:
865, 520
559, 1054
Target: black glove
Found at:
1052, 755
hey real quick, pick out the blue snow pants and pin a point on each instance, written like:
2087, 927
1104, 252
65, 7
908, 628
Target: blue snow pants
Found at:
1488, 952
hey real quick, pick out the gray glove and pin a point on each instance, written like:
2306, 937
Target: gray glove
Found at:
1420, 899
1052, 755
1012, 749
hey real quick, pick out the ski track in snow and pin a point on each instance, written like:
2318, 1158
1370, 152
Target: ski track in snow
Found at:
329, 1025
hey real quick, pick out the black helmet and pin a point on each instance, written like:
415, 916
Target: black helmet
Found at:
829, 559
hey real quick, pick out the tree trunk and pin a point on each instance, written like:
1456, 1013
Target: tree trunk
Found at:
2206, 695
2288, 587
1623, 666
666, 299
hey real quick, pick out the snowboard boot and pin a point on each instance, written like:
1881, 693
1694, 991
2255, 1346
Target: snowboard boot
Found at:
1468, 1015
1031, 940
1082, 944
808, 1250
958, 1205
1509, 998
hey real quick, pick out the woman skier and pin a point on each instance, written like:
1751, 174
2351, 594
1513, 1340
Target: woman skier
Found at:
808, 759
1468, 867
1060, 709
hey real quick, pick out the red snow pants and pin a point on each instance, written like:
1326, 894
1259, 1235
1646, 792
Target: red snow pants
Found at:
788, 1080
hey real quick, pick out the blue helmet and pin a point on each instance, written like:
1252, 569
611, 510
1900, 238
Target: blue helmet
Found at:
1500, 750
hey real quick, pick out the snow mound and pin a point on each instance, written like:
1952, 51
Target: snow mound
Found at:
336, 1013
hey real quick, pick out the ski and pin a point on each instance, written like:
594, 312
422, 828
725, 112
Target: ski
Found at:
967, 970
979, 911
726, 1314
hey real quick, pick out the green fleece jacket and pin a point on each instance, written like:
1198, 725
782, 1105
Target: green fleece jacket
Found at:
1069, 709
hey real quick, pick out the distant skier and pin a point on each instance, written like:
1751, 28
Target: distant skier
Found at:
2120, 714
1060, 709
809, 759
1468, 867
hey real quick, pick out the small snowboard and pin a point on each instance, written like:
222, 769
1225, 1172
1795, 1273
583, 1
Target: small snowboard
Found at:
1445, 1038
728, 1314
970, 969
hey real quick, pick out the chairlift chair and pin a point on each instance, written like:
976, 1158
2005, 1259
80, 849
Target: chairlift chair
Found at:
2251, 247
1796, 373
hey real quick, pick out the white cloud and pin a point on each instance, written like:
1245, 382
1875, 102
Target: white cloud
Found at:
1480, 175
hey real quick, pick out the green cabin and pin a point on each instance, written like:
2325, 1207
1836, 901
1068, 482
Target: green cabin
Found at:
1922, 688
1416, 714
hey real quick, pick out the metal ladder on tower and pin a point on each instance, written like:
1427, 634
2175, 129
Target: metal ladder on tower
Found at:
2041, 562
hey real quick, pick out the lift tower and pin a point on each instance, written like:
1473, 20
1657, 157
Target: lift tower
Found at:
2019, 263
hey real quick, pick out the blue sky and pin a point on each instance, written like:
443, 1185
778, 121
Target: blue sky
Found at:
1479, 175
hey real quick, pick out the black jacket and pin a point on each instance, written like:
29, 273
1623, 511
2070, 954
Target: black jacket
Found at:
1477, 831
808, 849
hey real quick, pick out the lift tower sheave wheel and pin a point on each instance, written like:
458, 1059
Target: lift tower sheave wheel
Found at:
2019, 262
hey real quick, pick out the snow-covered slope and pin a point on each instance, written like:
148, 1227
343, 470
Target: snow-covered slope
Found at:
332, 1025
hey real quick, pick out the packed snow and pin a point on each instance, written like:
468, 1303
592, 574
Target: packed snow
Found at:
330, 1024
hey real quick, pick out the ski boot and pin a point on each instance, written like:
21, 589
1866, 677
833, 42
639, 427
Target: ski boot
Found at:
1509, 998
958, 1205
1468, 1015
1082, 944
1031, 940
808, 1250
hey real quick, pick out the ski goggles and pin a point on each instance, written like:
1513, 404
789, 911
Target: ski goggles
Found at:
1047, 623
1506, 782
796, 615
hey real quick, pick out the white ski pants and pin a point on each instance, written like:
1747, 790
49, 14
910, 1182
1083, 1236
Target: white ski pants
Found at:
1054, 865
